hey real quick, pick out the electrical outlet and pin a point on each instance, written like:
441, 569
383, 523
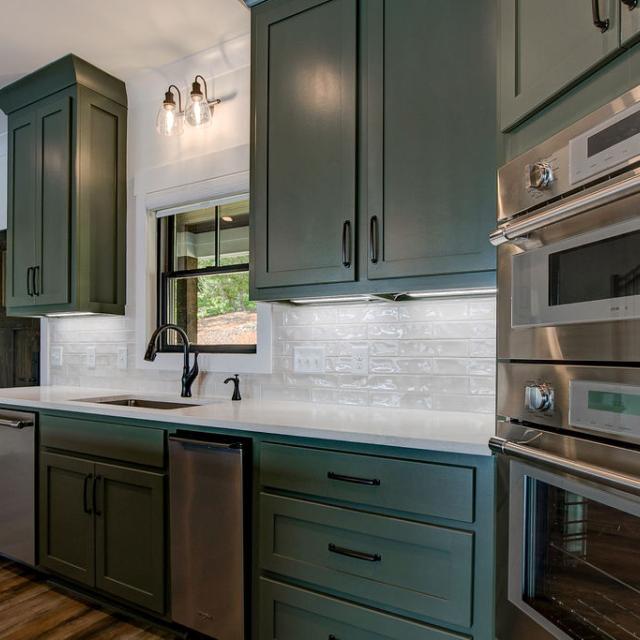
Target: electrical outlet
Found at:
360, 359
308, 359
55, 357
91, 357
122, 357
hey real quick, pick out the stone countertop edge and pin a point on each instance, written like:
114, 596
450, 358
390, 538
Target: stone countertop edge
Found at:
444, 431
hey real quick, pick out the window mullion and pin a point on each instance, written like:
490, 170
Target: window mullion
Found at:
217, 223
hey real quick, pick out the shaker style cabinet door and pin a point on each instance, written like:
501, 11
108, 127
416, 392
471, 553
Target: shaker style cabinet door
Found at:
304, 142
546, 46
129, 512
66, 517
53, 201
21, 213
629, 22
431, 145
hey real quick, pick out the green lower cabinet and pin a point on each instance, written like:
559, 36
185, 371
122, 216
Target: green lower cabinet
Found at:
129, 513
66, 517
103, 526
376, 481
290, 613
417, 570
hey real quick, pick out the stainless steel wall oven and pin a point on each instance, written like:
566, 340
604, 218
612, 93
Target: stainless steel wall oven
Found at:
568, 401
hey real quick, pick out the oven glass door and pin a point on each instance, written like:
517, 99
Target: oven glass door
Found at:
592, 277
574, 556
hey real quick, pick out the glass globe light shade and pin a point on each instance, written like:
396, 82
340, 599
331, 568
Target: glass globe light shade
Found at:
198, 113
169, 122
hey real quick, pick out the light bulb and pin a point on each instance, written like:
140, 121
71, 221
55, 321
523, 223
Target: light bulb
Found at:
169, 122
198, 113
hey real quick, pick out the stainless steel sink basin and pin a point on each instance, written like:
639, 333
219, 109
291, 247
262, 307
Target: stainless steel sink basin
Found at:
141, 403
148, 404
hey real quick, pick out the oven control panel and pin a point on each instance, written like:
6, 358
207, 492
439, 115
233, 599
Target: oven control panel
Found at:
605, 407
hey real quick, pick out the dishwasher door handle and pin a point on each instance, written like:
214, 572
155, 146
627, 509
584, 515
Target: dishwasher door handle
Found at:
198, 445
16, 423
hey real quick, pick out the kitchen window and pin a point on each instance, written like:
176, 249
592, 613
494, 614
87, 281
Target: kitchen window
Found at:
203, 276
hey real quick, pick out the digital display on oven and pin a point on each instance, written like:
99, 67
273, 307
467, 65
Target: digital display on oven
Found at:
612, 402
618, 132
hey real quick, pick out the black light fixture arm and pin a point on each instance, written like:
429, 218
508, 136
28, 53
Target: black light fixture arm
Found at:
173, 86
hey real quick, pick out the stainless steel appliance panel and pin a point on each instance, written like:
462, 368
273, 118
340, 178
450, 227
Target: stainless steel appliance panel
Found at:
604, 341
516, 378
568, 522
207, 489
17, 486
521, 183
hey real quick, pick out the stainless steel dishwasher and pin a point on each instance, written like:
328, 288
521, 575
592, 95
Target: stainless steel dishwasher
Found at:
17, 486
209, 489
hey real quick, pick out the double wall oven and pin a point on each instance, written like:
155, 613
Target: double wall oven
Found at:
568, 431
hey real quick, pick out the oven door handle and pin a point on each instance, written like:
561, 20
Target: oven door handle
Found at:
601, 475
566, 209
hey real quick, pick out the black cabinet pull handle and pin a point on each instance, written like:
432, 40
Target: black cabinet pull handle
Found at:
332, 637
36, 274
373, 482
85, 500
96, 481
346, 244
374, 239
598, 22
358, 555
29, 290
632, 4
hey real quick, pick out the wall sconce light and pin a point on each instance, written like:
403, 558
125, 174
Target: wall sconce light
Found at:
170, 122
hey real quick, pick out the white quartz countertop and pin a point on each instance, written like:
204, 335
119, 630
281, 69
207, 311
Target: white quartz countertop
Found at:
455, 432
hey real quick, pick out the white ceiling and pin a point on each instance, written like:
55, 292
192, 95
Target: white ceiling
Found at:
122, 37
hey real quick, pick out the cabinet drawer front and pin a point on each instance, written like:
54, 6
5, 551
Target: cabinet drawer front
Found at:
418, 569
421, 488
137, 445
289, 613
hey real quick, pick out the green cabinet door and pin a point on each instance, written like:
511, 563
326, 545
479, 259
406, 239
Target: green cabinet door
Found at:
130, 554
629, 23
21, 210
431, 160
546, 46
53, 201
304, 142
66, 518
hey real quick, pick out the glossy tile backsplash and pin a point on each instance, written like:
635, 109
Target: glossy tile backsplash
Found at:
430, 355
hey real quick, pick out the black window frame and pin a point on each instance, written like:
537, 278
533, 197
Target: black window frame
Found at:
165, 254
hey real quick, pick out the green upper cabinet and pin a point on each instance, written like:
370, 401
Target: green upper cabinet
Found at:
373, 148
629, 22
66, 190
21, 201
547, 46
431, 144
304, 165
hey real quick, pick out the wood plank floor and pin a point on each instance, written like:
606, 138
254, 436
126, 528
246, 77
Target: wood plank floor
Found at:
32, 609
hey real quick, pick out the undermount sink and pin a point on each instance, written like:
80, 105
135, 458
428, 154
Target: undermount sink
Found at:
141, 403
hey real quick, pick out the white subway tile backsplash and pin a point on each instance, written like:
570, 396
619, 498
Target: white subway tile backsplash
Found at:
423, 354
449, 348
